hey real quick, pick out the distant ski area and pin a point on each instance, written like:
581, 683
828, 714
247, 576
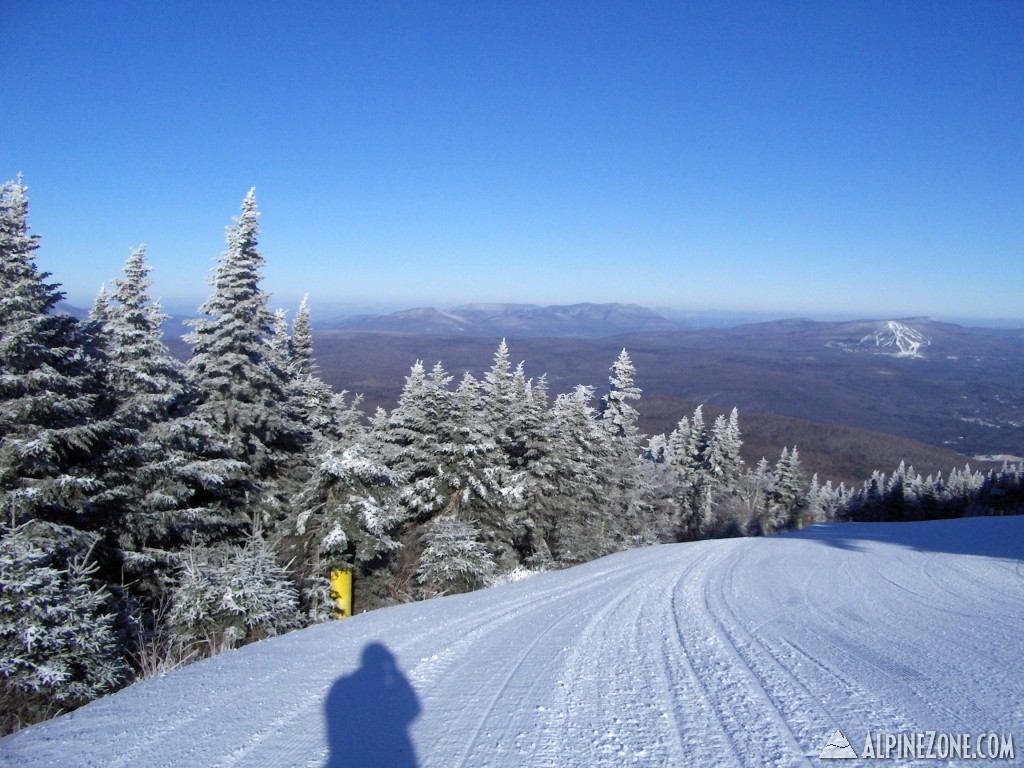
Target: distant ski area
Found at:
738, 652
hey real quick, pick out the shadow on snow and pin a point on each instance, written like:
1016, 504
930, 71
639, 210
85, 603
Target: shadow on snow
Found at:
369, 713
997, 537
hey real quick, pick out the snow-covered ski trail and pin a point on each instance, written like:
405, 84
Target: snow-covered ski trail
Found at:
744, 652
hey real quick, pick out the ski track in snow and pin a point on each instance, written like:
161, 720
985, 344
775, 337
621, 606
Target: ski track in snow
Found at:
738, 652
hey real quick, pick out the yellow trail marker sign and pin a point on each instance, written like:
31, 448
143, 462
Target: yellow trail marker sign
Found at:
341, 592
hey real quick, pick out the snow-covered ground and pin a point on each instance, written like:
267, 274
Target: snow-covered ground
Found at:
738, 652
902, 339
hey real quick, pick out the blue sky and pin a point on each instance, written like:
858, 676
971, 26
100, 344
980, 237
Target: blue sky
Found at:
819, 158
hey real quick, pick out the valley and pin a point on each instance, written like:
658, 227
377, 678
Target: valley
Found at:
847, 394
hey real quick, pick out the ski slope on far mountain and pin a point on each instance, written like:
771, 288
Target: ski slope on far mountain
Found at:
748, 652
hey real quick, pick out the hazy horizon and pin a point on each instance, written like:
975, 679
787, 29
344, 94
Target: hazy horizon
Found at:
692, 318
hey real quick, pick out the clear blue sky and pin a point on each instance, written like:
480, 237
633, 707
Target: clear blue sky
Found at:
817, 158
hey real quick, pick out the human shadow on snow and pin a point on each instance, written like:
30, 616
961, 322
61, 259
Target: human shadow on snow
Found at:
369, 713
996, 537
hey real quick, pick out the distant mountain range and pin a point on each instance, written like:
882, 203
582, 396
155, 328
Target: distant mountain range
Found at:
573, 321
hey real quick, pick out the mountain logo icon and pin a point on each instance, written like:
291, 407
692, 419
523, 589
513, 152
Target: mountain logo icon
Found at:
837, 748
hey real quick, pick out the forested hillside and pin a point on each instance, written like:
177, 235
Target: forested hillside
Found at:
156, 511
675, 380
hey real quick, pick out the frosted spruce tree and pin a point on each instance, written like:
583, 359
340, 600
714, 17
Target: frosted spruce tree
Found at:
175, 485
301, 341
246, 397
630, 509
406, 440
280, 341
334, 420
487, 490
100, 312
244, 392
786, 493
618, 415
58, 645
348, 516
573, 513
413, 438
656, 478
687, 446
54, 424
533, 457
498, 398
55, 435
453, 558
721, 472
823, 501
528, 423
432, 440
435, 439
721, 456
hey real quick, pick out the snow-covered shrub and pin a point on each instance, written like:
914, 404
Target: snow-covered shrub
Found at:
518, 573
453, 557
158, 649
58, 648
229, 595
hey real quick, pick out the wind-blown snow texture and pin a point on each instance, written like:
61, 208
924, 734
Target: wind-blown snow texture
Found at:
736, 652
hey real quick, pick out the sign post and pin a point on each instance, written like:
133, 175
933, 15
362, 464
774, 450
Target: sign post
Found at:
341, 592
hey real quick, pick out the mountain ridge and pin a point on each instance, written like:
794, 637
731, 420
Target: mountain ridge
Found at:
584, 320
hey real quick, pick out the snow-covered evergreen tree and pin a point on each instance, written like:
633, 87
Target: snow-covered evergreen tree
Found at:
722, 460
436, 439
526, 420
533, 457
660, 520
173, 485
824, 502
453, 558
58, 648
721, 477
786, 495
618, 416
333, 419
100, 312
348, 517
301, 342
56, 437
245, 394
415, 438
473, 462
573, 511
498, 397
687, 446
629, 509
54, 428
749, 504
280, 342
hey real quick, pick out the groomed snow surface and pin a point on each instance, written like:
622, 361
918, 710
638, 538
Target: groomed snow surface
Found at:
745, 652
